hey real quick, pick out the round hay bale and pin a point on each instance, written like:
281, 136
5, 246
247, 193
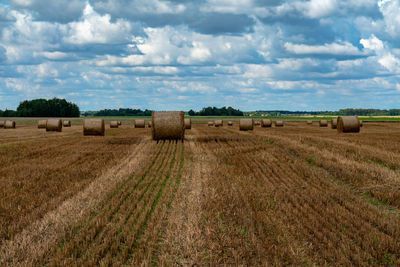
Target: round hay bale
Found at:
2, 124
323, 123
8, 124
42, 124
119, 123
149, 124
67, 123
309, 122
266, 123
334, 123
246, 124
278, 123
210, 123
140, 123
114, 124
188, 123
53, 125
257, 123
230, 123
168, 125
93, 127
218, 123
348, 124
361, 123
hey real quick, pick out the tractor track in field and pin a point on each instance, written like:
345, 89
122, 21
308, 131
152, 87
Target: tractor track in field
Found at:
128, 226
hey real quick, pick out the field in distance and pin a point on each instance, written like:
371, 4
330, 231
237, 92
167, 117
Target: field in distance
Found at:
296, 195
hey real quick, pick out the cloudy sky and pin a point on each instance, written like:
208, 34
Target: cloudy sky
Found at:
177, 54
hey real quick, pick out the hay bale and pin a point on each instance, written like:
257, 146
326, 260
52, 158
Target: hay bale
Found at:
114, 124
278, 123
93, 127
188, 123
333, 123
2, 124
42, 124
67, 123
323, 123
140, 123
266, 123
119, 123
361, 123
149, 124
257, 123
309, 122
246, 124
230, 123
53, 125
8, 124
210, 123
348, 124
218, 123
168, 125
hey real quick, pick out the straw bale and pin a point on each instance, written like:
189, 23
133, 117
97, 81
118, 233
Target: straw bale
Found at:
309, 122
278, 123
348, 124
210, 123
42, 124
140, 123
188, 123
230, 123
67, 123
266, 123
218, 123
53, 125
93, 127
168, 125
8, 124
114, 124
323, 123
246, 124
334, 123
149, 124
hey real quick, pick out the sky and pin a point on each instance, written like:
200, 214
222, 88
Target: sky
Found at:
181, 55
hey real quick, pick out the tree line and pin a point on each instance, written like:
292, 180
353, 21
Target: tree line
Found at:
214, 111
43, 108
340, 112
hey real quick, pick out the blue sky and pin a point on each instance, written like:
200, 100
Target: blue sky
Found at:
178, 55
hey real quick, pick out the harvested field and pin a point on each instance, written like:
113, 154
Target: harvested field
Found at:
297, 195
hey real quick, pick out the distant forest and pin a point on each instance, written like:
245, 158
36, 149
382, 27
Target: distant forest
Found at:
43, 108
214, 111
340, 112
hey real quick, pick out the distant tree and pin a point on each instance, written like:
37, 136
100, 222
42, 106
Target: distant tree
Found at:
48, 108
214, 111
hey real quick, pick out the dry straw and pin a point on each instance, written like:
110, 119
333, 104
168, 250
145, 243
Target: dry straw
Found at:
140, 123
257, 123
93, 127
309, 122
210, 123
67, 123
334, 123
168, 125
246, 124
53, 125
348, 124
323, 123
1, 124
114, 124
361, 123
188, 123
218, 123
278, 123
119, 123
42, 124
230, 123
266, 123
9, 124
149, 124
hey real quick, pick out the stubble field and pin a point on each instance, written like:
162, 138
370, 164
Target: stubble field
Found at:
297, 195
